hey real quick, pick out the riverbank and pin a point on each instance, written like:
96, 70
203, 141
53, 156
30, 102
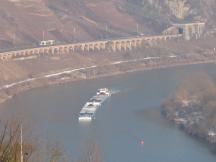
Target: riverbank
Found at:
95, 71
192, 107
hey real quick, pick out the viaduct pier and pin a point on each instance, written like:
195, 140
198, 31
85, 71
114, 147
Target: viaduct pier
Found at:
176, 31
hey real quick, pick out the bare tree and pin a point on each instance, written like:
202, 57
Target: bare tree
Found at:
10, 144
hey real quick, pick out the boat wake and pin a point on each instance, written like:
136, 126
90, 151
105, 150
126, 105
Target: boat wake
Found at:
114, 91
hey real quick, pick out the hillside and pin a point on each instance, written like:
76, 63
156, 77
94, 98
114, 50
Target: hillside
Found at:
179, 10
27, 22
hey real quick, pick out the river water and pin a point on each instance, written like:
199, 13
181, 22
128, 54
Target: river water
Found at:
125, 120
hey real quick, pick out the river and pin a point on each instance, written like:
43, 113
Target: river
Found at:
125, 120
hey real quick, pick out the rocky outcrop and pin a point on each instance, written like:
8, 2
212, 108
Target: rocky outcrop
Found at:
182, 10
179, 8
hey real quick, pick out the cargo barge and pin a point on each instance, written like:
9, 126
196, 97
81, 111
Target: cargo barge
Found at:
87, 113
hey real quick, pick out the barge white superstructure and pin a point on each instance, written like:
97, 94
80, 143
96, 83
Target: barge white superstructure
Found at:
88, 111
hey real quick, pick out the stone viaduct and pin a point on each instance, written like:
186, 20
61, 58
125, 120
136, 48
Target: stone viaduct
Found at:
111, 45
187, 31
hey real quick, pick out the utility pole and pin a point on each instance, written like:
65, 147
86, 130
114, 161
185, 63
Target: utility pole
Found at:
14, 39
137, 29
74, 32
106, 28
43, 35
21, 144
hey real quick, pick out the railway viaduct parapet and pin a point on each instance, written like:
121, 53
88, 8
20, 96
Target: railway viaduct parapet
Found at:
112, 45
